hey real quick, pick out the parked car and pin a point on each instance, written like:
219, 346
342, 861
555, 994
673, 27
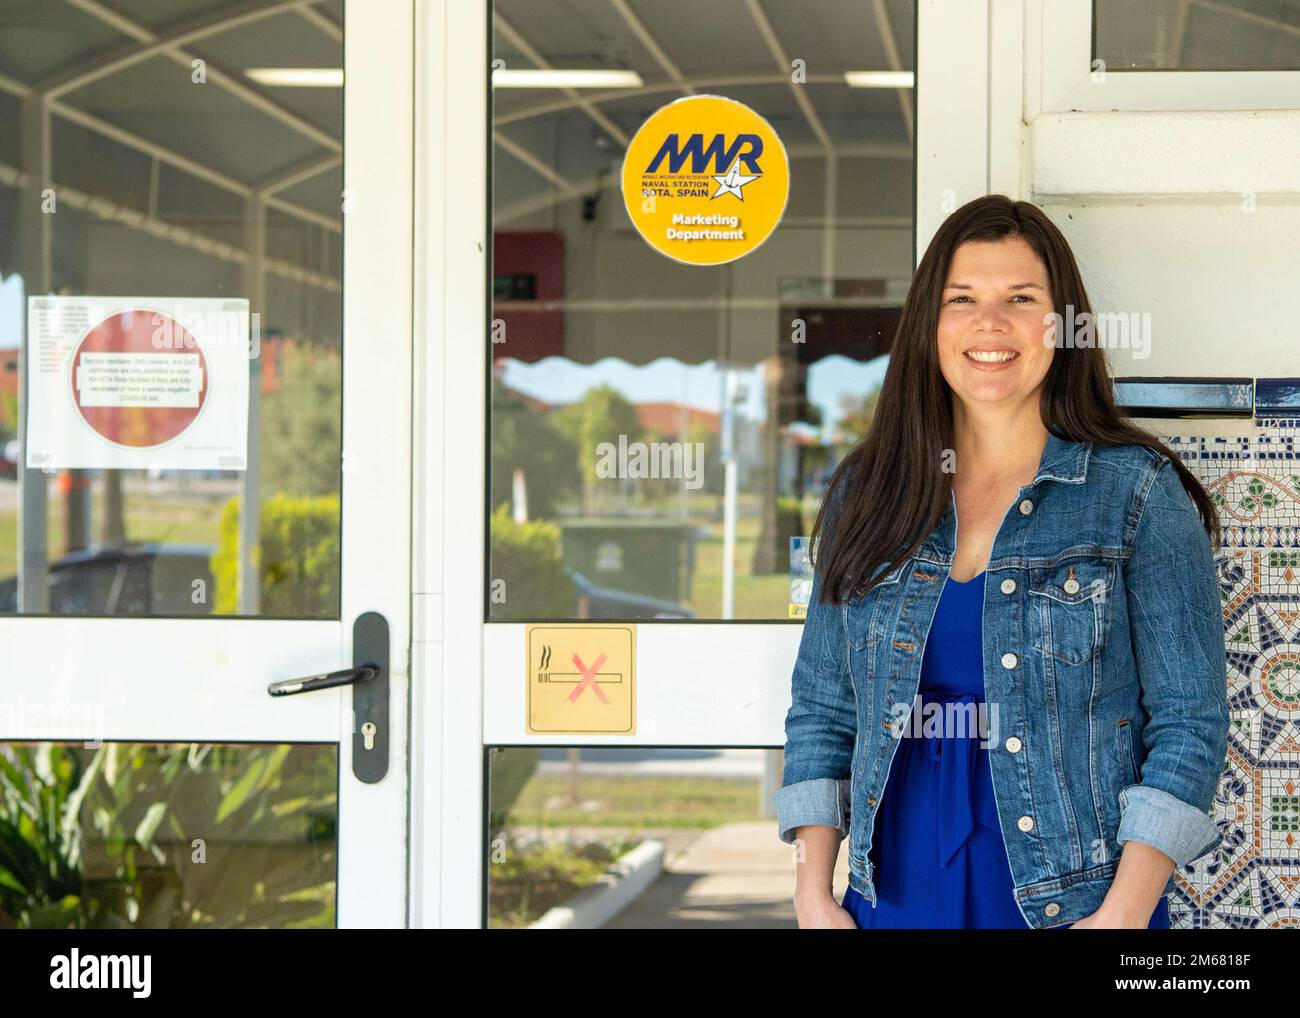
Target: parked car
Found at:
604, 603
136, 579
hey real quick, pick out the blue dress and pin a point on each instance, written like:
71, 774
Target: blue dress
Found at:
938, 855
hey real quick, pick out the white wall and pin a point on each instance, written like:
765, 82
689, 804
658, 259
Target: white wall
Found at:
1191, 215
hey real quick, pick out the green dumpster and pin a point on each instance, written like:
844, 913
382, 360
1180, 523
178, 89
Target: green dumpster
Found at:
652, 557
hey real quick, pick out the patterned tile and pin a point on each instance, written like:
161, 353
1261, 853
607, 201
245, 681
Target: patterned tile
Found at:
1255, 482
1253, 880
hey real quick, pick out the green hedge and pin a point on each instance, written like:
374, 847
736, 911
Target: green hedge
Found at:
527, 561
297, 557
298, 561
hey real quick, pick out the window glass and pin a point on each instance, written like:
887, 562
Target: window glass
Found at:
170, 308
1192, 35
638, 838
167, 835
661, 432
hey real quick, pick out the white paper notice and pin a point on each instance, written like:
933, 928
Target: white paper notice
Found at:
137, 383
139, 379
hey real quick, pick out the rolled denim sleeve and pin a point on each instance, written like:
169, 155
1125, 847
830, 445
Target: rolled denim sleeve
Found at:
821, 724
1176, 622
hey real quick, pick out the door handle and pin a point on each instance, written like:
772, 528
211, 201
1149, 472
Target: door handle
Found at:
343, 677
368, 678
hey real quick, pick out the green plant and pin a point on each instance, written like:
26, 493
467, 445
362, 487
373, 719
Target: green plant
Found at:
528, 577
525, 438
220, 836
41, 788
601, 416
529, 881
167, 835
300, 434
297, 557
509, 771
8, 416
787, 506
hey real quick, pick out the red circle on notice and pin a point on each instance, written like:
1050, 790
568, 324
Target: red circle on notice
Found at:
140, 331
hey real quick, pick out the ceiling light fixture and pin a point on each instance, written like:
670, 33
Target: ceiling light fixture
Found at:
880, 79
564, 78
297, 77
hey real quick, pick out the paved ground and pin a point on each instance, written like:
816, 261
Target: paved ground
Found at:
639, 762
738, 875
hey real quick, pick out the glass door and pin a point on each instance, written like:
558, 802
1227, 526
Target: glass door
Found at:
659, 434
205, 316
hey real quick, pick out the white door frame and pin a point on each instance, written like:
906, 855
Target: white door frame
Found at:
205, 679
448, 562
378, 281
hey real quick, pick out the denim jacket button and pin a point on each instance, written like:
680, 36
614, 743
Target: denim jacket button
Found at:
1052, 909
1008, 660
1026, 507
1008, 586
1013, 745
1025, 824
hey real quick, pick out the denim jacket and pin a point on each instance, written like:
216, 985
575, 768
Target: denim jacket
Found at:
1105, 677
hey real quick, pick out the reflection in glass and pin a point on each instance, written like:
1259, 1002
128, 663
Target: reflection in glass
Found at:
687, 832
156, 835
175, 177
1197, 35
661, 433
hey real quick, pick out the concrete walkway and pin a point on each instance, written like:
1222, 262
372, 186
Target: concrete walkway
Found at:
738, 875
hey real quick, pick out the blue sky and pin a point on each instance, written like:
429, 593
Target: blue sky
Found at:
557, 380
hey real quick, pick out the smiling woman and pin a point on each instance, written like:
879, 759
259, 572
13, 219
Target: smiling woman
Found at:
992, 319
1083, 555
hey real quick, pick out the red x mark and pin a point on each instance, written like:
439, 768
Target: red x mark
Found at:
588, 679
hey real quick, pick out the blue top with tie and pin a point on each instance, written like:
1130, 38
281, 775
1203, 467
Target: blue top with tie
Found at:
938, 854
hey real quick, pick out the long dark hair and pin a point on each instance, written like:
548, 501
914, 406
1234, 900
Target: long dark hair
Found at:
894, 491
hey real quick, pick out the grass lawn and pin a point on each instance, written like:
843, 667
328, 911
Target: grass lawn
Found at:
756, 597
624, 801
148, 518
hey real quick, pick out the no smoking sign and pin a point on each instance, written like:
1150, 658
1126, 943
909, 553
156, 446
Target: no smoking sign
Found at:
581, 679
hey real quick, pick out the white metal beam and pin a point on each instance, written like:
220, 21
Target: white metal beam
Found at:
110, 211
536, 164
249, 95
101, 65
651, 44
308, 11
520, 43
304, 170
895, 61
830, 168
722, 81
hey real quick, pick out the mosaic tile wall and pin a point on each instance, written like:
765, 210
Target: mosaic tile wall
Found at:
1253, 880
